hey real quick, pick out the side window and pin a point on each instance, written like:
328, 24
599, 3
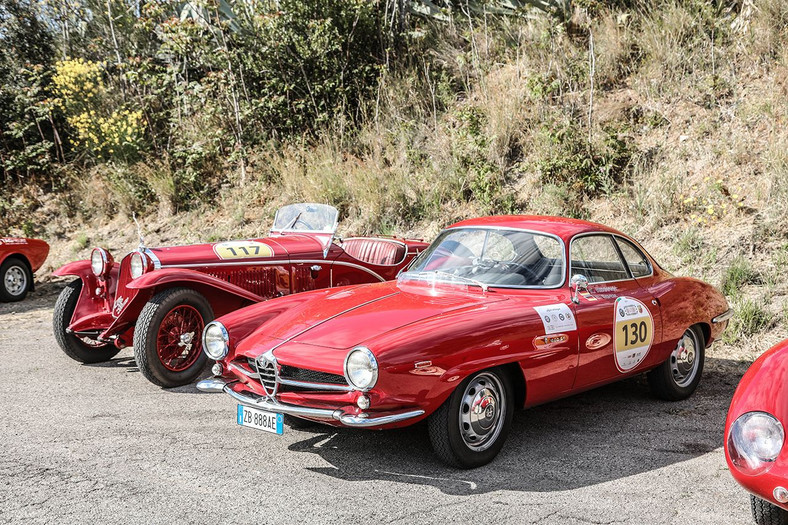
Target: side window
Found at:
596, 257
636, 260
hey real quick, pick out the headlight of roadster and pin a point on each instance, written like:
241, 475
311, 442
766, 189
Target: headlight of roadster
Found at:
215, 340
100, 261
138, 264
361, 368
755, 441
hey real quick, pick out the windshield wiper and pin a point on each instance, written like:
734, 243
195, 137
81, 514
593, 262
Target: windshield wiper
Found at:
293, 222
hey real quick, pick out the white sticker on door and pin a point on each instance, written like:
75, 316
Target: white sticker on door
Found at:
633, 333
556, 318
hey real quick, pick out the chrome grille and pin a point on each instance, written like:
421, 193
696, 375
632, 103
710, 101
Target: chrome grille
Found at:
266, 371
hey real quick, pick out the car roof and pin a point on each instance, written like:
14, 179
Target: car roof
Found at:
564, 227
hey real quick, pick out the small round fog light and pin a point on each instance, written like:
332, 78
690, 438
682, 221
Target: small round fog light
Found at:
362, 402
217, 369
781, 494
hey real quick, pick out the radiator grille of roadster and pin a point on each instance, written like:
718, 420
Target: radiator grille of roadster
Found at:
275, 378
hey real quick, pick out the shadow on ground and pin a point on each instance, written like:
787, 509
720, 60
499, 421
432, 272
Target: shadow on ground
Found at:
613, 432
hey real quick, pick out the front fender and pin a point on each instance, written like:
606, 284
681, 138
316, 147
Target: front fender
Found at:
79, 268
171, 276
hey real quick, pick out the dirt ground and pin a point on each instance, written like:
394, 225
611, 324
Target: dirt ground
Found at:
98, 443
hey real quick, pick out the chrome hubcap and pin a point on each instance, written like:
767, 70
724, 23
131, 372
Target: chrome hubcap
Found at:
683, 360
481, 412
186, 341
15, 280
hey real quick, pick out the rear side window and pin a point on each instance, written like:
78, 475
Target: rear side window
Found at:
596, 257
638, 263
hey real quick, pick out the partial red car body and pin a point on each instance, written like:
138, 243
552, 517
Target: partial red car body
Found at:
20, 258
763, 390
522, 344
218, 278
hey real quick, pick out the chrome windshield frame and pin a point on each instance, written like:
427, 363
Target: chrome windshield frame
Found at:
502, 228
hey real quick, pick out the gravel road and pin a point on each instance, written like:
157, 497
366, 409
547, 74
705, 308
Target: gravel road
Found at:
99, 444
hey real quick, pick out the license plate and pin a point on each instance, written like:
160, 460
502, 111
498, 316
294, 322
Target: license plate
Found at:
260, 419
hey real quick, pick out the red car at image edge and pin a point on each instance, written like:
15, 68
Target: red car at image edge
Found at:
19, 259
497, 313
755, 435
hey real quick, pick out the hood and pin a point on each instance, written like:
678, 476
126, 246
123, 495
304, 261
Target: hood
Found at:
347, 317
275, 247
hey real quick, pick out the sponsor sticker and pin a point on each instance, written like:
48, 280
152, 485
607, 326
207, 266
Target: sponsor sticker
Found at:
633, 333
12, 240
242, 250
556, 318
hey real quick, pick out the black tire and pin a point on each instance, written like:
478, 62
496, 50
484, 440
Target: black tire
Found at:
667, 382
444, 424
74, 347
765, 513
16, 279
145, 336
297, 423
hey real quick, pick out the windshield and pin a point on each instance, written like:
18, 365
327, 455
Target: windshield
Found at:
491, 257
306, 217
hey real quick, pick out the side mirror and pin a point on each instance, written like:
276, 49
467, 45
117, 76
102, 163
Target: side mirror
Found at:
578, 283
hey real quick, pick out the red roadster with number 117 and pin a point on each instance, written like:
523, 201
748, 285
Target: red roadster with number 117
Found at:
498, 313
159, 299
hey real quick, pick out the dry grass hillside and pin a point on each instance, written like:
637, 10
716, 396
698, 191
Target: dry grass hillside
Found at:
666, 122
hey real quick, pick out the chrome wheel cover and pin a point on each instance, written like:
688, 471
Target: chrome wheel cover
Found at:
15, 280
684, 359
482, 412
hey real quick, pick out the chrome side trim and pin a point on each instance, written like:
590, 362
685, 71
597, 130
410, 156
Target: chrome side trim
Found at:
264, 262
727, 314
361, 420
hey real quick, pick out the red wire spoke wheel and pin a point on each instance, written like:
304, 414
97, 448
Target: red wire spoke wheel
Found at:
179, 341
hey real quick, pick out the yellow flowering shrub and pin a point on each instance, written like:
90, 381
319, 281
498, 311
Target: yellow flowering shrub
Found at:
705, 205
79, 93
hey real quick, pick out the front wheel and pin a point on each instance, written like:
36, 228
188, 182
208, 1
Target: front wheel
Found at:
15, 280
765, 513
469, 428
168, 337
678, 377
79, 348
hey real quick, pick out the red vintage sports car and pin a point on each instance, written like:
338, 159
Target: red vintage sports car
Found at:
755, 436
19, 259
498, 313
159, 299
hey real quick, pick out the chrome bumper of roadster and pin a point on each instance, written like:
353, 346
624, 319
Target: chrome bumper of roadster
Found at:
350, 420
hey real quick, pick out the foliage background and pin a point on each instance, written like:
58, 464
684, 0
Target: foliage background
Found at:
663, 118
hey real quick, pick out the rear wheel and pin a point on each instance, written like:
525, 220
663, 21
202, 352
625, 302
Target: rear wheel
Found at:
469, 428
168, 337
765, 513
82, 349
15, 280
678, 377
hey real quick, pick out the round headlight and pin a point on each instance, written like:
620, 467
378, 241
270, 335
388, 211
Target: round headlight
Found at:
361, 368
138, 264
100, 261
755, 441
215, 340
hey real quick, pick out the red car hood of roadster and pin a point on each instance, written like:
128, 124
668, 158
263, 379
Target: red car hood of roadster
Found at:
347, 317
279, 247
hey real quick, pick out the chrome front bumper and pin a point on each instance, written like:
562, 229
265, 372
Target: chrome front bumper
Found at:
350, 420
